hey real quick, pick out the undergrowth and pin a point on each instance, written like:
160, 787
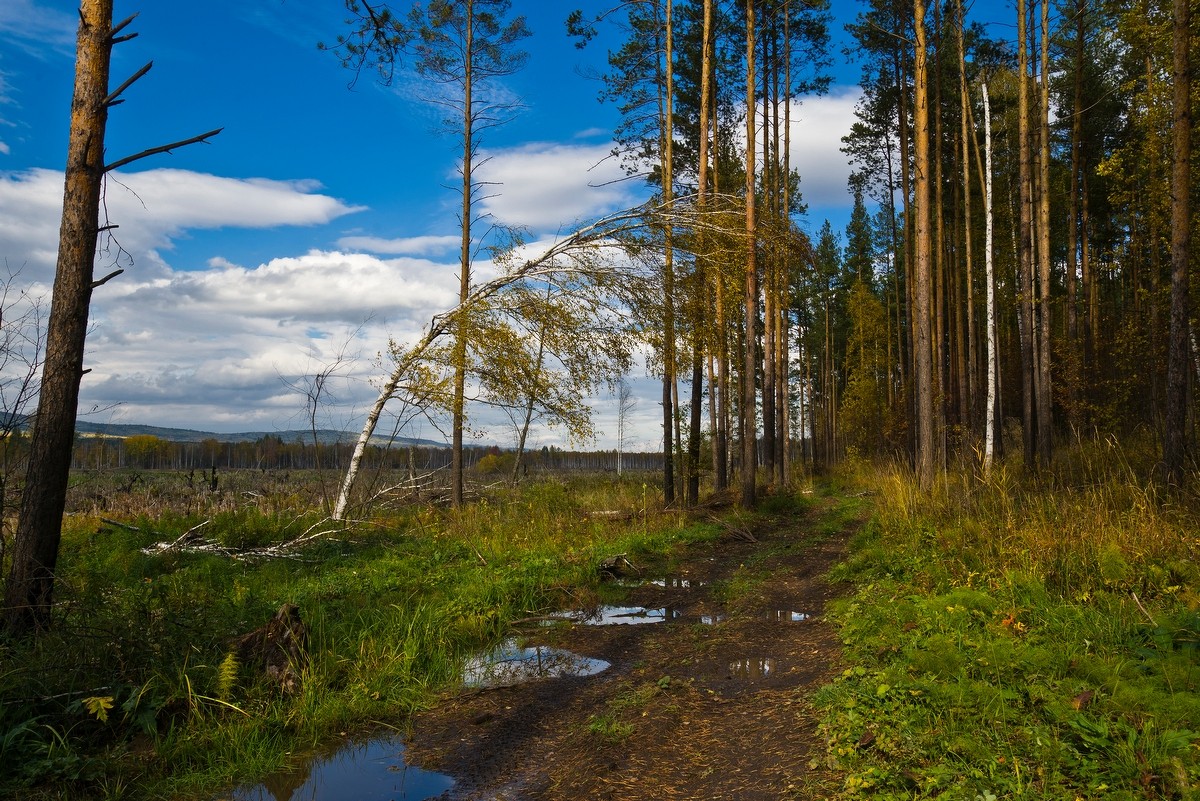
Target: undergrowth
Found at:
1020, 639
137, 693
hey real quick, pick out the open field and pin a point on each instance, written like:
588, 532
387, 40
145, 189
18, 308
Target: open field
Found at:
999, 639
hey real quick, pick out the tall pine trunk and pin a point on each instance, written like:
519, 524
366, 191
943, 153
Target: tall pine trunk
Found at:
750, 299
924, 375
1174, 440
29, 593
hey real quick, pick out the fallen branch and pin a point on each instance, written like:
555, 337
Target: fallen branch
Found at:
191, 542
738, 532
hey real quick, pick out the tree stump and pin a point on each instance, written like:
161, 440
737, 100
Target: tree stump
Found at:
279, 648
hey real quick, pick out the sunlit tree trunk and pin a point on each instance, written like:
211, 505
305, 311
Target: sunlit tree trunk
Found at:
666, 134
749, 422
1025, 320
30, 587
969, 358
989, 436
924, 374
1045, 406
782, 378
462, 329
702, 277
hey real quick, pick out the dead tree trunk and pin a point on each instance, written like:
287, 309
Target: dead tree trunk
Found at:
28, 595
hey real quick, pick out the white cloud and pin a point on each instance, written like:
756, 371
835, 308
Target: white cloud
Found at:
548, 186
818, 126
214, 348
152, 209
404, 246
33, 27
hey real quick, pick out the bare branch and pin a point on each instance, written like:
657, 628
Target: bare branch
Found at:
161, 149
111, 100
120, 26
107, 278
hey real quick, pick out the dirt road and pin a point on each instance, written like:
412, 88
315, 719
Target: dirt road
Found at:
712, 662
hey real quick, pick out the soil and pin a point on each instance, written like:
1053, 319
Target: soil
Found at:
712, 703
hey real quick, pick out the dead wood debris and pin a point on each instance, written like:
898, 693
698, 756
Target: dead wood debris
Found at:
279, 648
192, 542
737, 532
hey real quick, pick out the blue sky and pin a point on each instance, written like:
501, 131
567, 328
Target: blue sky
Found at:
318, 221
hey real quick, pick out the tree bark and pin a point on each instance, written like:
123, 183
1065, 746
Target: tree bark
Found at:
750, 299
30, 588
462, 328
989, 436
666, 162
1025, 321
1175, 440
924, 375
1045, 403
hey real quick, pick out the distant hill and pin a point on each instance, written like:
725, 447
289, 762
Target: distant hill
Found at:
325, 436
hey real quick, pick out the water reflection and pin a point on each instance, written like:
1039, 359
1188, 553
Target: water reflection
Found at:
509, 664
759, 668
782, 616
621, 615
371, 770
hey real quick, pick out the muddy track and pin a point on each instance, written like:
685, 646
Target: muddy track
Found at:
711, 703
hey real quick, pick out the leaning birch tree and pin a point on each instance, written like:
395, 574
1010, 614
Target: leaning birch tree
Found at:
463, 47
29, 591
599, 261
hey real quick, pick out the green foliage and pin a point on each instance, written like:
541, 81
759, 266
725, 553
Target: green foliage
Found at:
142, 650
1017, 642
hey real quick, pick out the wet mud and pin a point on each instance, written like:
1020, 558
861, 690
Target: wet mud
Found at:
707, 696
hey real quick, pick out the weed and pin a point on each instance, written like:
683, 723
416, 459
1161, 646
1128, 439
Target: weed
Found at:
1016, 640
606, 728
393, 608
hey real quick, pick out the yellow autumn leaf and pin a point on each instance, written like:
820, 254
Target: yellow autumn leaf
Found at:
98, 706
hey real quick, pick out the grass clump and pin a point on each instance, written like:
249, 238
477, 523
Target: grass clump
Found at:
1019, 641
138, 690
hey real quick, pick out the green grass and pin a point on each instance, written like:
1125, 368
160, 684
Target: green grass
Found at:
1020, 641
393, 606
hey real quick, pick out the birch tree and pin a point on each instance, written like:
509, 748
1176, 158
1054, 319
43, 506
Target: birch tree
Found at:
601, 260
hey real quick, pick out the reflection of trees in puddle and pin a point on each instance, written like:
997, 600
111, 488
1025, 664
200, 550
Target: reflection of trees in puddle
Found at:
754, 668
783, 616
371, 770
671, 582
622, 615
509, 664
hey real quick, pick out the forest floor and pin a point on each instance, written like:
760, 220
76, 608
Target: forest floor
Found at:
712, 703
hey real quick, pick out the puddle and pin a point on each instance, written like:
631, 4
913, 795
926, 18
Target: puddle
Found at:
673, 582
782, 616
752, 668
676, 583
621, 615
509, 664
371, 770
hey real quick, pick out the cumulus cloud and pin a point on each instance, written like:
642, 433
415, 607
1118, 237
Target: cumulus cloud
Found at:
818, 126
548, 186
404, 246
221, 345
152, 209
